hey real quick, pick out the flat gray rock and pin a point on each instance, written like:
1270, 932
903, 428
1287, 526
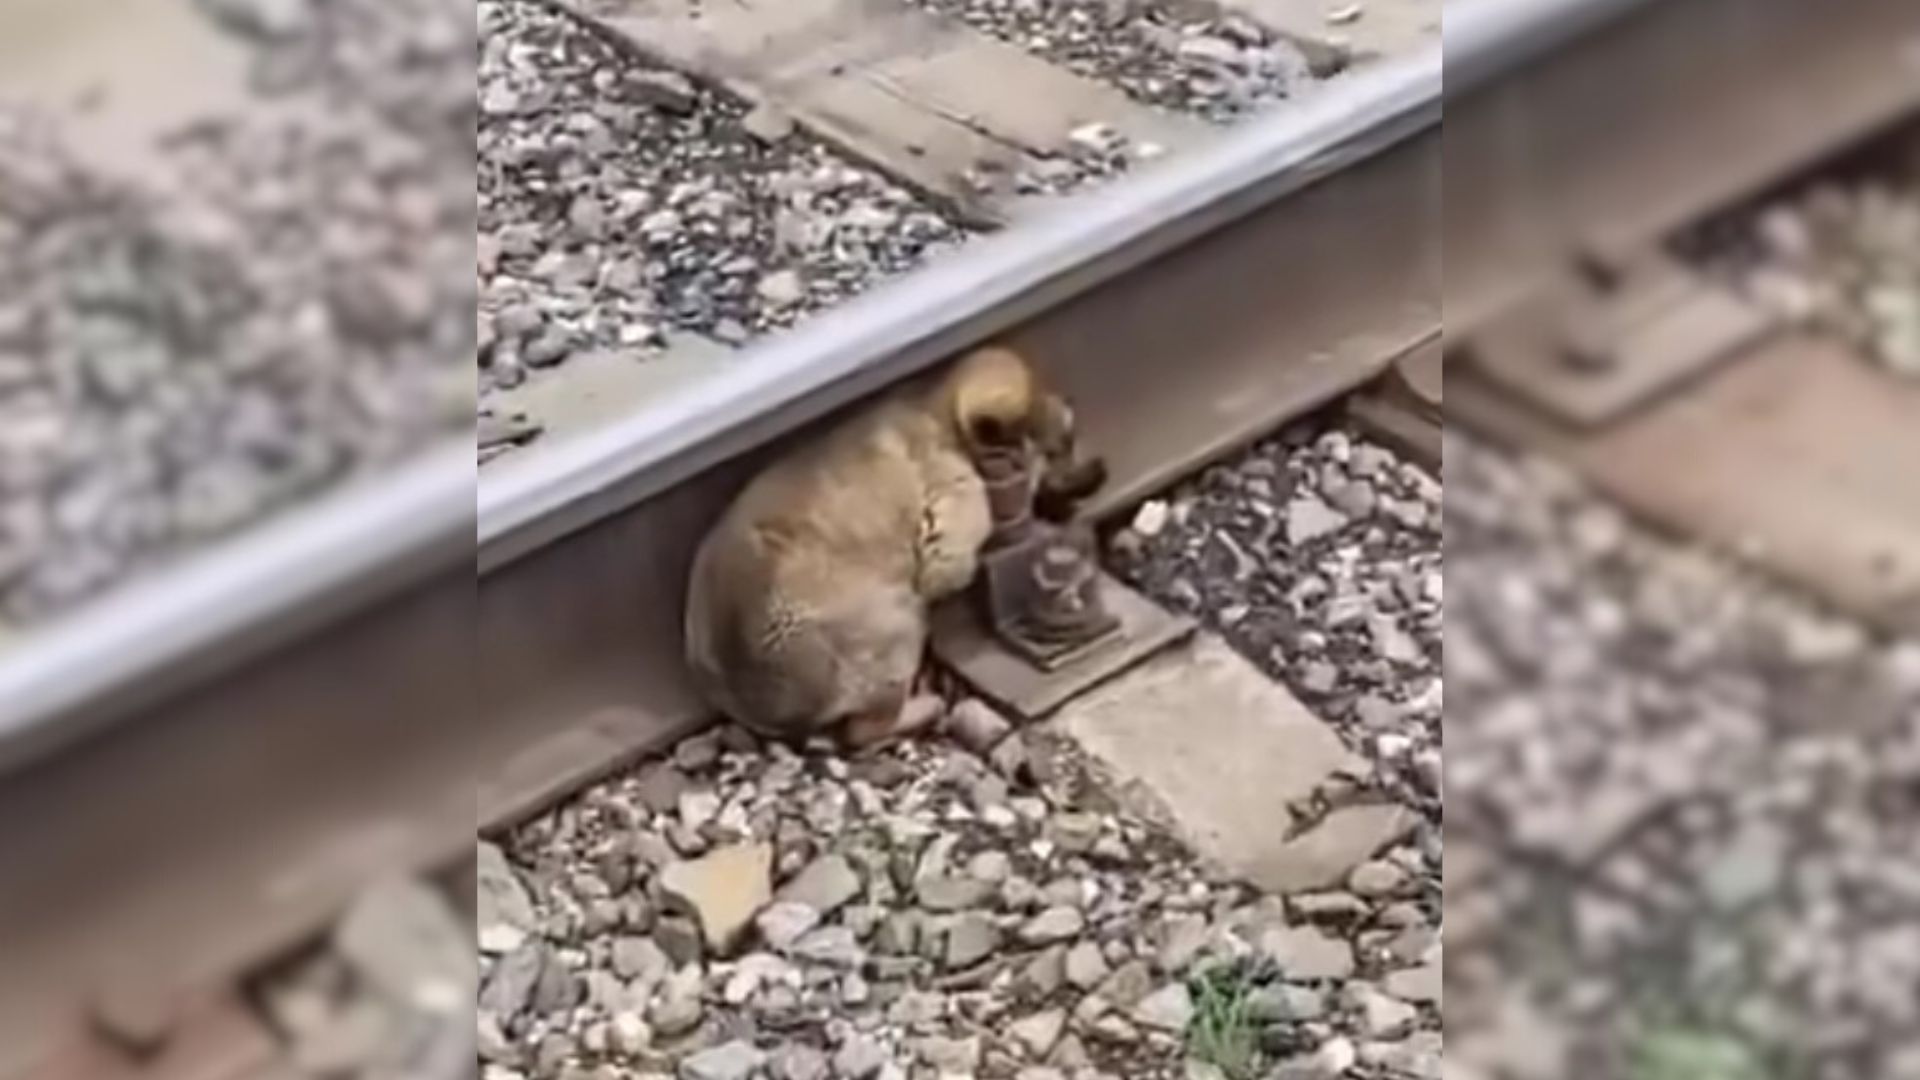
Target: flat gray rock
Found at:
729, 1061
1216, 747
826, 885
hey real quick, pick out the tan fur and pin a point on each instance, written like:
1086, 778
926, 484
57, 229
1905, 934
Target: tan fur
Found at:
808, 600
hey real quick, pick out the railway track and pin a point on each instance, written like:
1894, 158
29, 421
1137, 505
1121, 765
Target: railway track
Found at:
200, 844
721, 178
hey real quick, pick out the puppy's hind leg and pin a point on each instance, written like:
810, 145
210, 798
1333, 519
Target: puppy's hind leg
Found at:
886, 723
873, 728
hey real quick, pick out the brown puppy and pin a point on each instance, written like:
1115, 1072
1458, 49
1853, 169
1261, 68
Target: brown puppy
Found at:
807, 608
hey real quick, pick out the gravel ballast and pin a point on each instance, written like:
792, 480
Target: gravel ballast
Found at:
1219, 68
1843, 256
750, 911
386, 996
1684, 805
620, 202
1317, 556
279, 307
980, 903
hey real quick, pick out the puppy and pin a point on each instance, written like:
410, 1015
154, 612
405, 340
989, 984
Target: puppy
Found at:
807, 610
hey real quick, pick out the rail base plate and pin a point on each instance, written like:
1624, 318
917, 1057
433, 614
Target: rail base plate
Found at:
1589, 355
963, 643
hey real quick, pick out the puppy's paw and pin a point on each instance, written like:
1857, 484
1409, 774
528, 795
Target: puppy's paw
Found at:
1064, 487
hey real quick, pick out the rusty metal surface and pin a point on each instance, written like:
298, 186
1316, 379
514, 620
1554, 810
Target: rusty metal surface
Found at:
1800, 457
221, 607
1217, 344
580, 665
964, 644
1490, 39
1043, 599
1649, 121
1038, 582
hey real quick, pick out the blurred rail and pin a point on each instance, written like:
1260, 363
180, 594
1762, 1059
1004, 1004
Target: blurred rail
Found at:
1576, 328
197, 769
1648, 121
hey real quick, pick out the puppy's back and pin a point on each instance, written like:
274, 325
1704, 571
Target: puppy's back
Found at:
807, 579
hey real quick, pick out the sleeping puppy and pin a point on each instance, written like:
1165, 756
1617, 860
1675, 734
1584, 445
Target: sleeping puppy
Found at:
807, 612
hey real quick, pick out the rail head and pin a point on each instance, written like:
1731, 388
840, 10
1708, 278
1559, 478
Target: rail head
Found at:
1486, 39
906, 325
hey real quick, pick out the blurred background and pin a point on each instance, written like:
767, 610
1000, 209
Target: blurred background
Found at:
235, 408
1683, 544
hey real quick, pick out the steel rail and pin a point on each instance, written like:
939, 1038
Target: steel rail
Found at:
995, 283
1186, 310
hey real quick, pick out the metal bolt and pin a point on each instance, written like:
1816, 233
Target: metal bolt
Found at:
1051, 604
1060, 577
1058, 570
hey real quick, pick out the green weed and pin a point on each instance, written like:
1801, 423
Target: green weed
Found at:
1224, 1031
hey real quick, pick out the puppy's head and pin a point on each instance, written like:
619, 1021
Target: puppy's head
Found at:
992, 393
1000, 407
